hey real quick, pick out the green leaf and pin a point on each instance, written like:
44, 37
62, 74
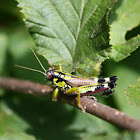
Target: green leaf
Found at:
121, 51
72, 33
123, 19
133, 93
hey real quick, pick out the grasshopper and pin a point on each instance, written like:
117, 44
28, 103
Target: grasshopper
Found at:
74, 85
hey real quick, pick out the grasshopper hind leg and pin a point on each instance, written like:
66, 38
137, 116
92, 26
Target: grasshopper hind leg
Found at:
73, 90
78, 102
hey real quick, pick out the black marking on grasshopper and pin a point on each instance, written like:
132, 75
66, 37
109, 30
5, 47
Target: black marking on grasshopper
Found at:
57, 79
107, 92
101, 80
99, 87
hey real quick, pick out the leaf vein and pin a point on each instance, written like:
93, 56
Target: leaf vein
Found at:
63, 20
74, 8
92, 14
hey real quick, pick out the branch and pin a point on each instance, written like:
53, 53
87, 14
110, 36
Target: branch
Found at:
104, 112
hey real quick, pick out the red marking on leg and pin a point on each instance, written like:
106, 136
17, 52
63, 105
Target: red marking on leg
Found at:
93, 91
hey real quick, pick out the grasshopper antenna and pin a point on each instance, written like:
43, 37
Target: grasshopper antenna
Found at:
31, 69
36, 58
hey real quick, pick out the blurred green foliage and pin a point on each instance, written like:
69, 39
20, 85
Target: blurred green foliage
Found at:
134, 93
27, 117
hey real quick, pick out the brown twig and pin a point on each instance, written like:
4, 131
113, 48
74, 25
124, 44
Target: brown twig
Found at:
104, 112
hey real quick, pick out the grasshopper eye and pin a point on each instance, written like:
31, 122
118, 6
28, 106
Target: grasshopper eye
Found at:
49, 75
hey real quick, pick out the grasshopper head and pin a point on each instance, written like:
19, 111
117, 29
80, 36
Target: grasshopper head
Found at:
50, 73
